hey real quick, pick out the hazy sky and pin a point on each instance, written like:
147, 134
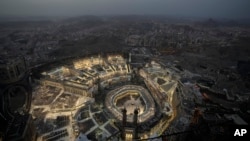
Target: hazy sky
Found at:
198, 8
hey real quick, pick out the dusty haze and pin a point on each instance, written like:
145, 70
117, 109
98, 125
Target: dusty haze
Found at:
233, 9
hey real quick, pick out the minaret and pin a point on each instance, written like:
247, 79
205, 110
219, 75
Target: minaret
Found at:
124, 122
129, 59
99, 85
135, 124
124, 117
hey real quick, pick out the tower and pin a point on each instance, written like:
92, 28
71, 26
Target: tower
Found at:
124, 117
12, 69
15, 84
15, 97
129, 131
129, 59
99, 88
135, 120
124, 123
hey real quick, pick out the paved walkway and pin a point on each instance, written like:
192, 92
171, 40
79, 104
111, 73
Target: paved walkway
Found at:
102, 127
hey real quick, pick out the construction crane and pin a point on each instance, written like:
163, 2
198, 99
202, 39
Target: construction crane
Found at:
197, 114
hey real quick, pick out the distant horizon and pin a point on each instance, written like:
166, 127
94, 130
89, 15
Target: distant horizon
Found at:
120, 15
215, 9
9, 18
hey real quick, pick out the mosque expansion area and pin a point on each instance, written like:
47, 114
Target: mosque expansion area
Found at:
112, 97
86, 98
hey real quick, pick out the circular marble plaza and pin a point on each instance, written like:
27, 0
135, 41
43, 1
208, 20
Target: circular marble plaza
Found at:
130, 97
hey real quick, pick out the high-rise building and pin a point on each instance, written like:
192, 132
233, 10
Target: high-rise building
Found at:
15, 84
21, 128
15, 99
11, 70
